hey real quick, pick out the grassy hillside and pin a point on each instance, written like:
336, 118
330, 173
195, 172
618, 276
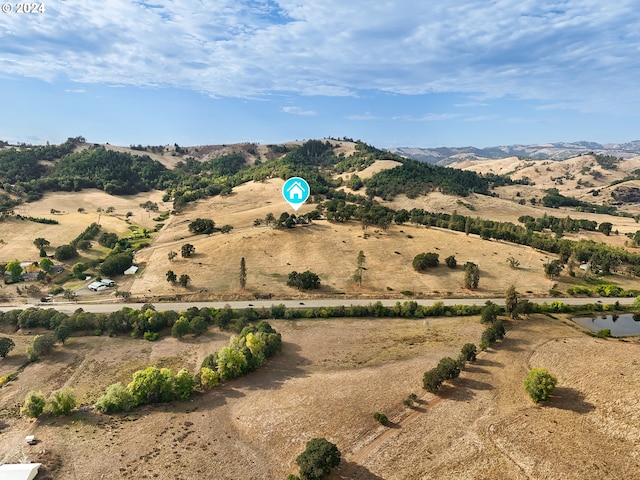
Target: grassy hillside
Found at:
363, 199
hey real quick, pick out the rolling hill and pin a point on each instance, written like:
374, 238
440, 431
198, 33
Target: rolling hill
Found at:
542, 151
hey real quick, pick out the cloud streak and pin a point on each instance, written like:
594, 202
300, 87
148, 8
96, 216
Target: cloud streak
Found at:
298, 111
561, 52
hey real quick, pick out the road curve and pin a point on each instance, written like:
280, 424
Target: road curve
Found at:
70, 307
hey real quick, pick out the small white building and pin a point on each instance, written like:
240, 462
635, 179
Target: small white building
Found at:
132, 270
101, 285
19, 471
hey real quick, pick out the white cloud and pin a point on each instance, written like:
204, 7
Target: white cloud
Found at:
428, 117
363, 117
559, 51
298, 111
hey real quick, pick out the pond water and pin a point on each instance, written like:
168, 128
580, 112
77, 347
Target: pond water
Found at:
620, 325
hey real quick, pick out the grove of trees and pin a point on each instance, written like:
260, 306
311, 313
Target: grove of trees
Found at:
303, 281
422, 261
245, 353
202, 226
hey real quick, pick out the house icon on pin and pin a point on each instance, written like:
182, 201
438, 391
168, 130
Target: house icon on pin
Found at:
295, 192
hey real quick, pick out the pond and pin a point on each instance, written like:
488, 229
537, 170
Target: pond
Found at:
620, 325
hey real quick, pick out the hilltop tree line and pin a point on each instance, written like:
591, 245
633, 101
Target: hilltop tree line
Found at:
28, 172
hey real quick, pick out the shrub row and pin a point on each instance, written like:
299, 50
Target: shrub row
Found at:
60, 402
604, 290
448, 368
245, 353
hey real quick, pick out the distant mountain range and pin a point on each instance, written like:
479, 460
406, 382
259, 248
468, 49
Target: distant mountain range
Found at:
541, 151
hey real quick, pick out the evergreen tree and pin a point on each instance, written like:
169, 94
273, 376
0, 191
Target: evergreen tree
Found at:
243, 274
357, 277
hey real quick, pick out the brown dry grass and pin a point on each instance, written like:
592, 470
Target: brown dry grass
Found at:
327, 249
330, 378
330, 250
18, 235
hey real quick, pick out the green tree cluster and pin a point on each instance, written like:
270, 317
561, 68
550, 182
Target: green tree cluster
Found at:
116, 264
202, 226
187, 250
33, 405
422, 261
62, 402
42, 345
303, 281
65, 252
6, 345
246, 352
492, 333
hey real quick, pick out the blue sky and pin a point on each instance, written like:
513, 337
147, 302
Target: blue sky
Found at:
392, 73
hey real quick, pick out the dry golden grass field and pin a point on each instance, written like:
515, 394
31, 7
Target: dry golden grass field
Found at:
18, 235
330, 378
332, 375
328, 249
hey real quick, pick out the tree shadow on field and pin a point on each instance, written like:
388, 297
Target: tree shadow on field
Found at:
511, 344
390, 424
473, 369
459, 394
485, 362
352, 471
565, 398
473, 384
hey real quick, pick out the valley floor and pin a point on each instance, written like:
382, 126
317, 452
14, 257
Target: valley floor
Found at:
330, 378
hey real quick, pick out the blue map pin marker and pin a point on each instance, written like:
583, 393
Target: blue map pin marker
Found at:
296, 191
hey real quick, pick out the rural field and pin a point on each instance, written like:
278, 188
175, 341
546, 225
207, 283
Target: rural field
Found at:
332, 374
329, 249
329, 379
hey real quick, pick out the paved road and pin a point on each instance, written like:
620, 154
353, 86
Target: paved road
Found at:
307, 303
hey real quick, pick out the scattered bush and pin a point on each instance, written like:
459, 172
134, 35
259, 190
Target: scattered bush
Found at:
208, 378
432, 380
62, 402
451, 261
380, 417
448, 368
540, 384
34, 404
469, 351
151, 336
117, 399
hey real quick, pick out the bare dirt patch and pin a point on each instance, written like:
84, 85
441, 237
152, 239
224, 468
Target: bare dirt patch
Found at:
330, 378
